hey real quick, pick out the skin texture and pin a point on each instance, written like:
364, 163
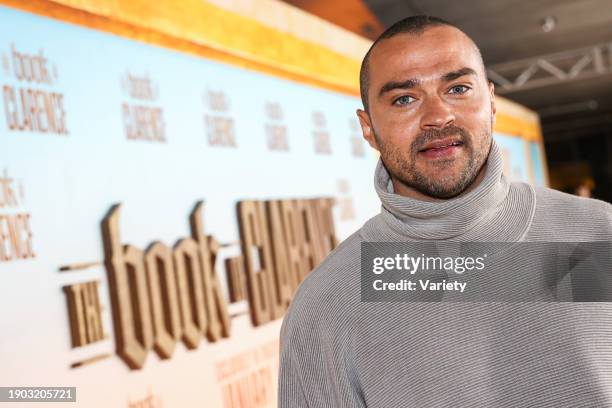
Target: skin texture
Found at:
432, 108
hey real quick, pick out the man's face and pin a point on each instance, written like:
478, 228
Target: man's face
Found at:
430, 111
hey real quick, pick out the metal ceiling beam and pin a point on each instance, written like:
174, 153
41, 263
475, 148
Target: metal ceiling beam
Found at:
551, 69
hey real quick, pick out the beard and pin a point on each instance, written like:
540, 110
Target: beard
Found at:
437, 179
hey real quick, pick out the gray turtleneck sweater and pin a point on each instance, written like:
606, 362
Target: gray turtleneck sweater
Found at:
337, 351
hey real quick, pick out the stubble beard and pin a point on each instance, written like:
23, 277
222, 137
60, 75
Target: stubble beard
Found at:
405, 170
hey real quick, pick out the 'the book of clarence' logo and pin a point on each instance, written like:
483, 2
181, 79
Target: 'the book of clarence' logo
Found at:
218, 120
31, 101
142, 118
163, 294
320, 134
15, 230
275, 128
356, 140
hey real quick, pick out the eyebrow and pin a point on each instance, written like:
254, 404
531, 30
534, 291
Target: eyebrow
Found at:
451, 76
411, 83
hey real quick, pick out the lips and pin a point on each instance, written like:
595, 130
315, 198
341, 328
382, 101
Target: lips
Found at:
444, 149
441, 144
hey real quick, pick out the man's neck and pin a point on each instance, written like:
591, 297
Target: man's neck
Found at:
407, 191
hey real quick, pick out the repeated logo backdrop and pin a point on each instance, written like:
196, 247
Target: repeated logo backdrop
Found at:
117, 155
117, 158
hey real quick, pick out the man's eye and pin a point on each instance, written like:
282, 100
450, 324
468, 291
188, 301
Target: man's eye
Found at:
458, 89
403, 100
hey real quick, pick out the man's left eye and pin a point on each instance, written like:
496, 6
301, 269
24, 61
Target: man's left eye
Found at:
458, 89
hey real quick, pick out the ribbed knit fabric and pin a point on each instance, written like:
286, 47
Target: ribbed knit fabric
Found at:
339, 352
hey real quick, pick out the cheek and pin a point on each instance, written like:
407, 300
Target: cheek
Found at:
476, 119
481, 111
397, 128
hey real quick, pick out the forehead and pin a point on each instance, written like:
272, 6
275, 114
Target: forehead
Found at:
430, 54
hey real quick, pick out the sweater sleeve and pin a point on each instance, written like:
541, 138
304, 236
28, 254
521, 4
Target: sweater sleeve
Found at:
301, 382
316, 369
291, 391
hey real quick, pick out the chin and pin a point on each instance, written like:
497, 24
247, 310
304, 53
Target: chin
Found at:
453, 187
446, 172
448, 193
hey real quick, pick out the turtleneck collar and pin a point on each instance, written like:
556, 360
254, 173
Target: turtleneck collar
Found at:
492, 210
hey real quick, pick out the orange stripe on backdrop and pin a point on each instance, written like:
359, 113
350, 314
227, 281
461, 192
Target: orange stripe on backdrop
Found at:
509, 125
516, 120
205, 30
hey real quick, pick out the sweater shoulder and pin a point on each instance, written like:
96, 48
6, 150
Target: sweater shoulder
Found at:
568, 204
565, 217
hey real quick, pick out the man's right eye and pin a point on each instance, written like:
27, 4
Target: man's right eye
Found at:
403, 100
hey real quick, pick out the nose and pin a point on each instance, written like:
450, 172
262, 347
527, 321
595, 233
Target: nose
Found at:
436, 114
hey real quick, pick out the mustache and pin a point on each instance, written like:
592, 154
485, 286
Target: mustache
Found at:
430, 135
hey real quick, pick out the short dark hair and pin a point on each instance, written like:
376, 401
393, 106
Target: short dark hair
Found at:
409, 25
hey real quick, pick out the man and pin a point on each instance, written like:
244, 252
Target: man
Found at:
429, 111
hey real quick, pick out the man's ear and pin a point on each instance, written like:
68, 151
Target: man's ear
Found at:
367, 129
